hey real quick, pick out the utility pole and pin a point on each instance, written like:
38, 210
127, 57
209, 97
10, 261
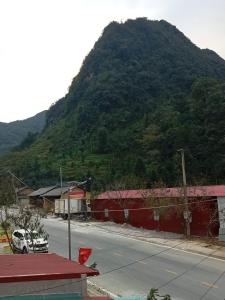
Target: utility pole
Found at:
186, 209
60, 172
69, 230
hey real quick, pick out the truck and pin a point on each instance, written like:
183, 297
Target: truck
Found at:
77, 207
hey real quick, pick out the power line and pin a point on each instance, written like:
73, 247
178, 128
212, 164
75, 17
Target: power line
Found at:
104, 273
13, 175
152, 207
187, 270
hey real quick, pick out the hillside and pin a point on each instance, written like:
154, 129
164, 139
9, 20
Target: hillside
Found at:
13, 133
144, 91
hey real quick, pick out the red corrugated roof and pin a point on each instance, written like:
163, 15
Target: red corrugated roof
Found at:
193, 191
35, 267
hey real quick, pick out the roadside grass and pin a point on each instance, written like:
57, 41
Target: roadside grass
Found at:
7, 250
3, 237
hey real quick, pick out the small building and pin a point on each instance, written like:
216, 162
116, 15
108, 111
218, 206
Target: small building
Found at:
36, 197
22, 195
50, 196
43, 274
163, 209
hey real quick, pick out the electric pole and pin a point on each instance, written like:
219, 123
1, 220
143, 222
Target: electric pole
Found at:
69, 230
61, 184
186, 209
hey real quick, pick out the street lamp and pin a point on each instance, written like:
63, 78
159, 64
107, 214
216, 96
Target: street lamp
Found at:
186, 209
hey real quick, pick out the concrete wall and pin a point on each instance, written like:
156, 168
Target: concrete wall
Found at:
44, 287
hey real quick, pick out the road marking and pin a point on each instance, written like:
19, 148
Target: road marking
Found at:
176, 249
98, 248
165, 246
118, 254
142, 262
172, 272
210, 285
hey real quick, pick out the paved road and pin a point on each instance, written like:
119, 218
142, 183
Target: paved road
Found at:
132, 267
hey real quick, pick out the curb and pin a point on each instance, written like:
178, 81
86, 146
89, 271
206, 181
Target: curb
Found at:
163, 244
102, 290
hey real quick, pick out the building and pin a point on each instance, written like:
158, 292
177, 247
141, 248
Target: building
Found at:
22, 195
42, 274
36, 197
163, 209
46, 197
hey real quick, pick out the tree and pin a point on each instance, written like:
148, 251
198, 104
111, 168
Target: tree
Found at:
7, 192
139, 168
7, 197
102, 140
154, 295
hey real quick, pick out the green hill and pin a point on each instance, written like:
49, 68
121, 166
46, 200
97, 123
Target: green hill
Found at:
144, 91
13, 133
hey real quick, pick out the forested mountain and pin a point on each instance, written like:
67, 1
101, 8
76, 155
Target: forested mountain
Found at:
13, 133
143, 92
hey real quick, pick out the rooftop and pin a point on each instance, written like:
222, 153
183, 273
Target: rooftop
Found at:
192, 191
41, 191
35, 267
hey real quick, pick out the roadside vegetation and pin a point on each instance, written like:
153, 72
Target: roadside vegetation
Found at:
13, 216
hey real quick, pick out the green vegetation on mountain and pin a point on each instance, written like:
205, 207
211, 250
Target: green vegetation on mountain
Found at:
13, 133
143, 92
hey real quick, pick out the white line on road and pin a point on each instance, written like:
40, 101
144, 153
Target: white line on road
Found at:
98, 248
117, 254
210, 285
170, 247
142, 262
172, 272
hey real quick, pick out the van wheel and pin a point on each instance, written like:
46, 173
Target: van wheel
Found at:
24, 250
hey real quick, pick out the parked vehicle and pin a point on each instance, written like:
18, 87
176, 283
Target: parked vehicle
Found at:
27, 241
77, 207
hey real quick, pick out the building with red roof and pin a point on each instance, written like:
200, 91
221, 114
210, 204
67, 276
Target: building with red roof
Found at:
37, 274
163, 208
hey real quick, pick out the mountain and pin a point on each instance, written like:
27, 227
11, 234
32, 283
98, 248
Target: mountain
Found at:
13, 133
143, 92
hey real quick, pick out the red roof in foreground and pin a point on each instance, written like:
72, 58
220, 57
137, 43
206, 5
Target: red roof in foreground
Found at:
192, 191
35, 267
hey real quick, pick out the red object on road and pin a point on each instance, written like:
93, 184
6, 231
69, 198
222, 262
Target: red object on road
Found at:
84, 254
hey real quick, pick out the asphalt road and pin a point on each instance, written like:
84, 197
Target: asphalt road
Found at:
132, 267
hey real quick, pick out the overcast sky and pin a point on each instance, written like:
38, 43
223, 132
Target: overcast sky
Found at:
43, 42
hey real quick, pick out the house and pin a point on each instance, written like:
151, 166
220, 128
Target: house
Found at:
163, 209
36, 197
22, 195
50, 196
43, 274
47, 196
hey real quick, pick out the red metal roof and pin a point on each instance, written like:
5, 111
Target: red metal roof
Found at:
35, 267
192, 191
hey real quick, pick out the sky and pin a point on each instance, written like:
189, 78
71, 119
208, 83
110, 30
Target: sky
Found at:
44, 42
